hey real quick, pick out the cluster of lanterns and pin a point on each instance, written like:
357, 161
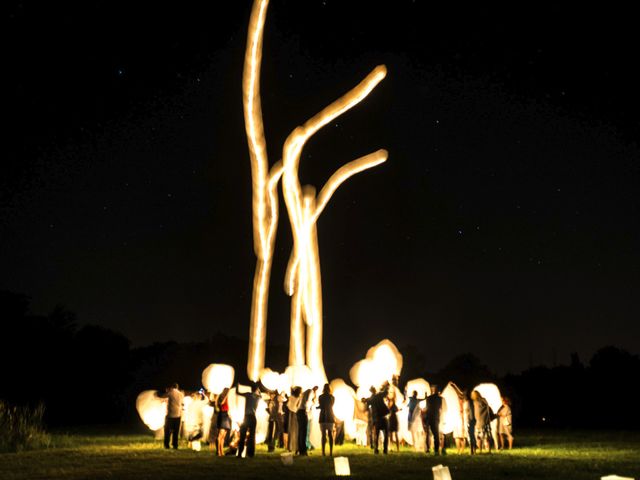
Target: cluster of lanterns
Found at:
382, 364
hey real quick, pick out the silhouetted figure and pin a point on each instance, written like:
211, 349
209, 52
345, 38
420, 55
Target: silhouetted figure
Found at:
326, 418
435, 405
273, 406
248, 427
379, 412
303, 422
174, 413
393, 423
482, 413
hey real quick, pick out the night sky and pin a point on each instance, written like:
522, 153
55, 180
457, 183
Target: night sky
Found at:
505, 222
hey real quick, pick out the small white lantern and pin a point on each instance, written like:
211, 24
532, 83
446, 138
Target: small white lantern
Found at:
341, 465
441, 472
615, 477
287, 458
196, 446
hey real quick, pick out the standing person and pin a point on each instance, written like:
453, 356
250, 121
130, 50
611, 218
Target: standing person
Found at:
482, 414
505, 423
223, 422
311, 403
174, 413
326, 418
379, 412
251, 400
435, 406
281, 421
413, 414
272, 425
292, 405
393, 423
303, 422
470, 419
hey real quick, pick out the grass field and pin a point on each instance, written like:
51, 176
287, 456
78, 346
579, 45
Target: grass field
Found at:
558, 455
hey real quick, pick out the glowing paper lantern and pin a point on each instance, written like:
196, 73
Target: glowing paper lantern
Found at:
270, 379
196, 446
152, 409
341, 465
451, 420
286, 458
615, 477
492, 395
302, 376
441, 472
218, 376
382, 362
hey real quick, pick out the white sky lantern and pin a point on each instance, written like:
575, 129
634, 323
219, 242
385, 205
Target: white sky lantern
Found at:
451, 420
422, 387
386, 358
344, 405
270, 379
302, 376
382, 362
152, 409
492, 395
218, 376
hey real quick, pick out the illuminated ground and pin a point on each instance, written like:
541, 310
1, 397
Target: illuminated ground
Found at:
551, 455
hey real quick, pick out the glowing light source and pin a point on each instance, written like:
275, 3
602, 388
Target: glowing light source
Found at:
264, 190
218, 376
341, 465
302, 280
382, 362
152, 409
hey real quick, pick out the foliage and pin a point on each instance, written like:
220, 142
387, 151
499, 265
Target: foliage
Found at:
21, 428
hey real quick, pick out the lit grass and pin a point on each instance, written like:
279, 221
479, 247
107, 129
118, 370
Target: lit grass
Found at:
562, 455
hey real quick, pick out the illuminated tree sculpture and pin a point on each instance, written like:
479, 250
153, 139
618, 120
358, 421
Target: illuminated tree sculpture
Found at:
302, 281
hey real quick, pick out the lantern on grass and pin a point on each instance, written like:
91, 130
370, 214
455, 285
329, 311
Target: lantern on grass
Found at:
616, 477
196, 446
441, 472
341, 465
286, 458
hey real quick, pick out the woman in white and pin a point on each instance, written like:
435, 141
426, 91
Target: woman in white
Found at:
292, 405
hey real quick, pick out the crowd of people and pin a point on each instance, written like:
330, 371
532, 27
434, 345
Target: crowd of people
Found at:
290, 416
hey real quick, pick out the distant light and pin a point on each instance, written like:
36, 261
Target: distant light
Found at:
341, 465
616, 477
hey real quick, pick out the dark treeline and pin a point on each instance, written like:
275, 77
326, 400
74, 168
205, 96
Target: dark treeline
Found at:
91, 375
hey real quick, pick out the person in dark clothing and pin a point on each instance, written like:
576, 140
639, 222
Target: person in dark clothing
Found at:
303, 422
432, 420
393, 423
471, 423
379, 412
272, 426
326, 418
248, 427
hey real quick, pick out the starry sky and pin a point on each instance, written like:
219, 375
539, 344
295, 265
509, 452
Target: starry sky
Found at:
505, 222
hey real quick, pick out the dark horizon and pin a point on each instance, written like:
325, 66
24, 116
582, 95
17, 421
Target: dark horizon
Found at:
505, 222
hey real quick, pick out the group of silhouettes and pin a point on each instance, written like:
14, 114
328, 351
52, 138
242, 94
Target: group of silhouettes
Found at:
290, 416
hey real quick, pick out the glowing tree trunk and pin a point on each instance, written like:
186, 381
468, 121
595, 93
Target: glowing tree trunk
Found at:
264, 188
